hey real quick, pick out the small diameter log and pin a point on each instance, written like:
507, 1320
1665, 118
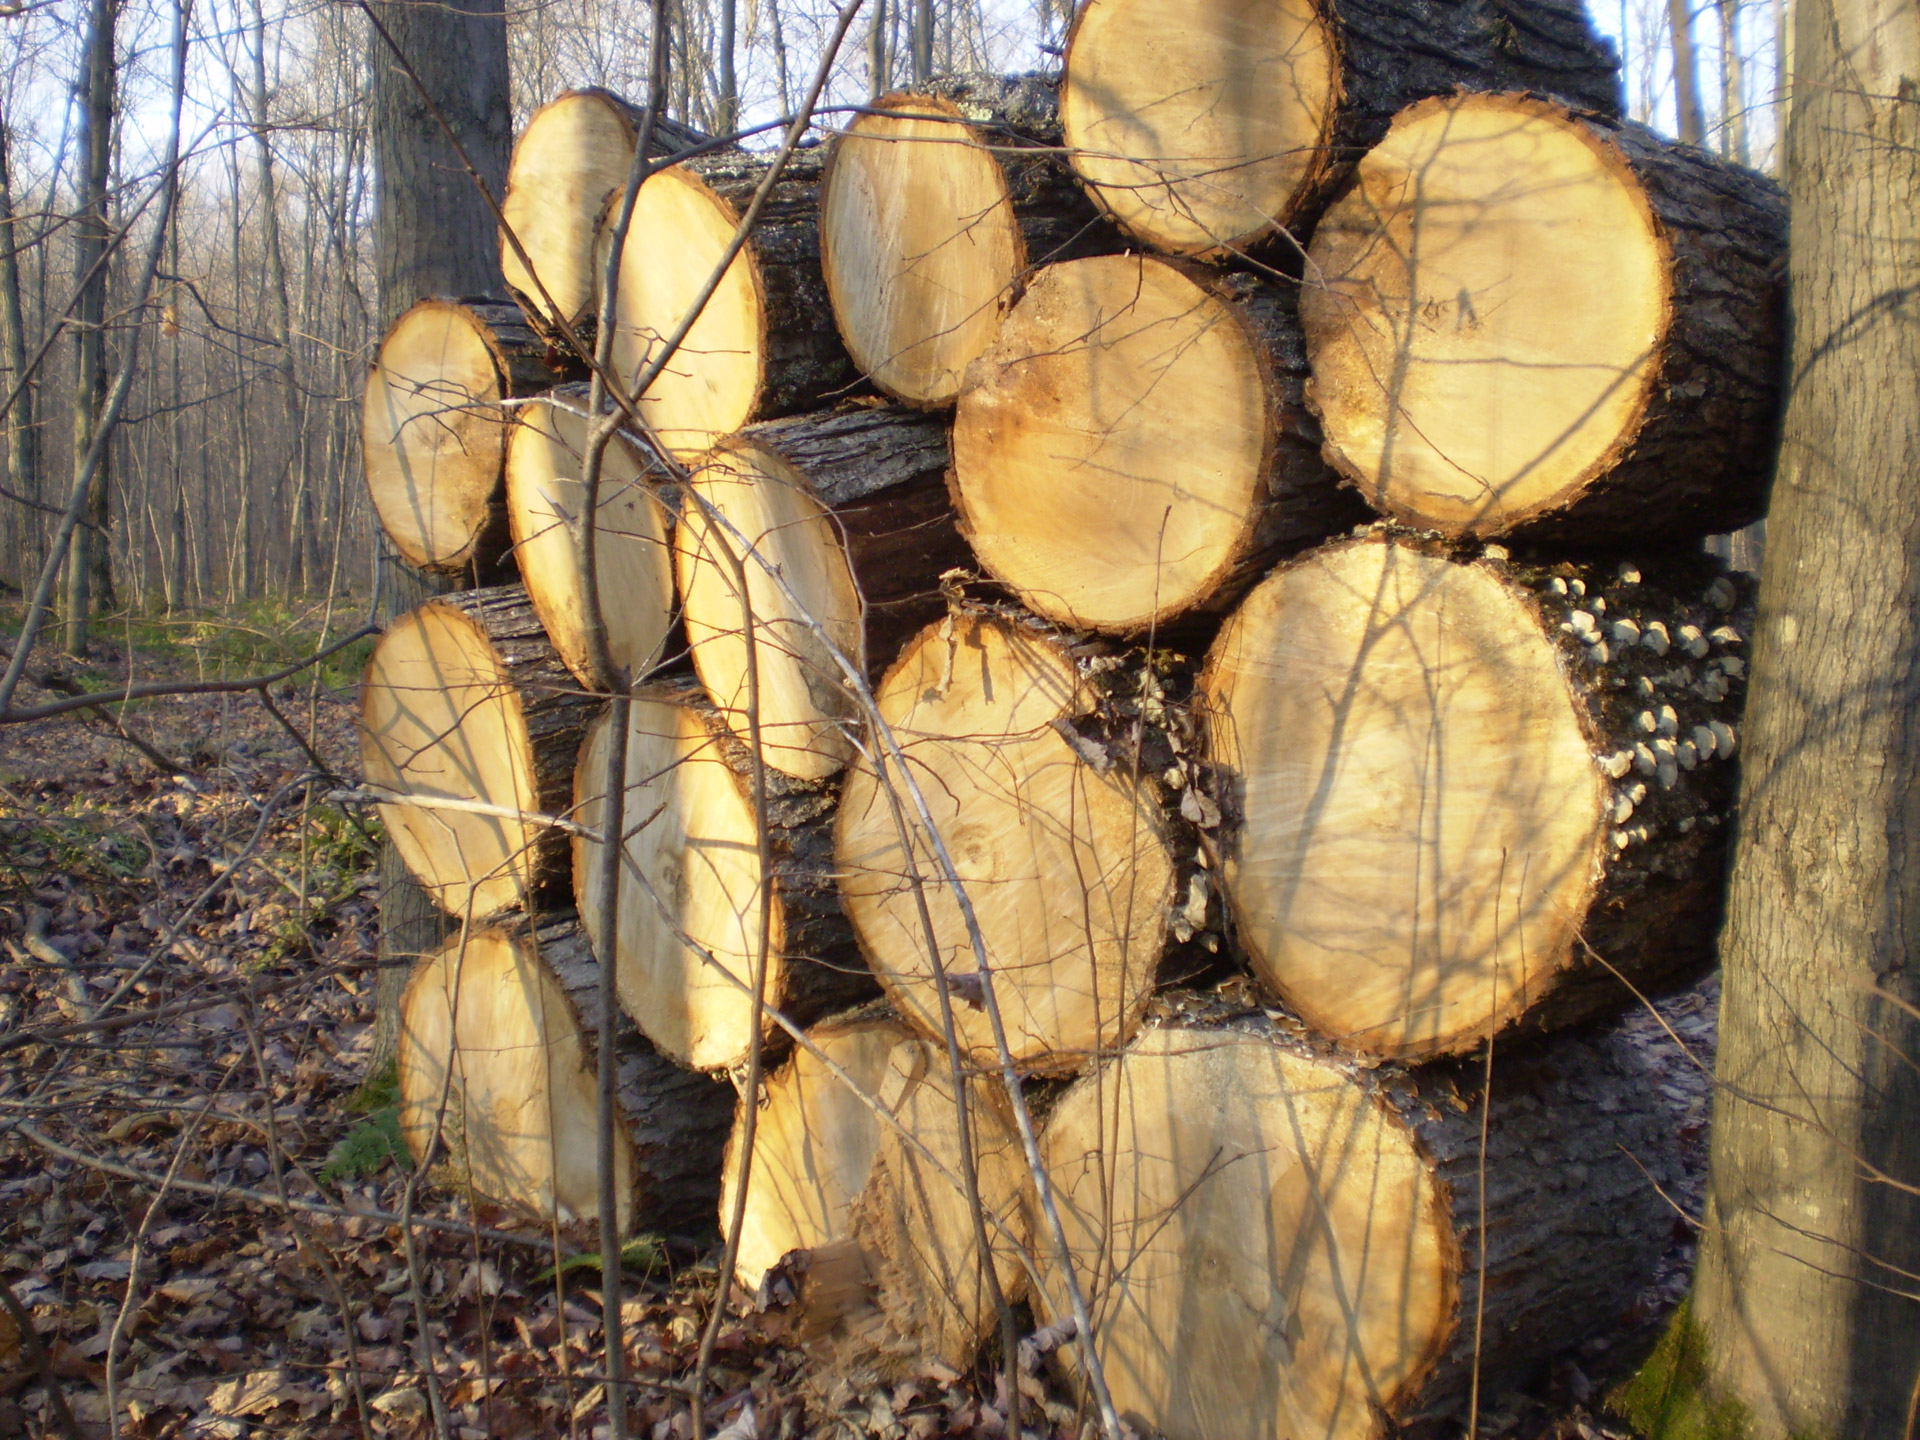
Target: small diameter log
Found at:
633, 559
568, 164
1275, 1241
875, 1242
1223, 125
1588, 352
1135, 446
691, 885
863, 559
1067, 868
465, 701
764, 344
934, 207
433, 434
1472, 792
505, 1026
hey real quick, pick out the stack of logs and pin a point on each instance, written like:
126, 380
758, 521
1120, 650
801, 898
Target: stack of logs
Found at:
1296, 642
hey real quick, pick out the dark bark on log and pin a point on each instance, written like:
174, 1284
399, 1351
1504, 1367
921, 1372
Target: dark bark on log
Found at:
882, 471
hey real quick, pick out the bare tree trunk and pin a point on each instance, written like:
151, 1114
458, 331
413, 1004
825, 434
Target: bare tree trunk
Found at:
1686, 74
922, 41
1733, 84
1806, 1292
726, 113
92, 231
22, 439
879, 71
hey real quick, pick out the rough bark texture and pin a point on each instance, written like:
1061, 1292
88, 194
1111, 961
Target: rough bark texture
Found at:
806, 364
433, 230
882, 471
1814, 1225
678, 1120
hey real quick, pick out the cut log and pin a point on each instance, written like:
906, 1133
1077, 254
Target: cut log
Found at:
864, 565
1216, 127
835, 1189
764, 344
1135, 445
568, 164
1475, 792
1274, 1242
934, 206
504, 1028
1589, 350
688, 932
433, 434
466, 702
632, 555
1066, 868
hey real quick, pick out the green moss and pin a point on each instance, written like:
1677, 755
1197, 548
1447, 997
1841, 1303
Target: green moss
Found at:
1668, 1398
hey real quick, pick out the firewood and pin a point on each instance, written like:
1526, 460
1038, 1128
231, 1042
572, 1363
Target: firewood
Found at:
1135, 445
1474, 792
876, 1244
1067, 868
764, 344
633, 559
1217, 127
433, 434
863, 560
692, 887
465, 701
1524, 378
568, 165
505, 1025
934, 207
1276, 1241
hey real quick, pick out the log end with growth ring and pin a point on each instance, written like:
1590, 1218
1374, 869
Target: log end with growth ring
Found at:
1472, 792
919, 244
1199, 127
632, 557
1065, 867
835, 1189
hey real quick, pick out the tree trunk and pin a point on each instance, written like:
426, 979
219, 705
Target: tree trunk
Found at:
1205, 131
1686, 74
1275, 1241
1518, 377
1135, 446
513, 1012
22, 436
1812, 1238
693, 887
1471, 792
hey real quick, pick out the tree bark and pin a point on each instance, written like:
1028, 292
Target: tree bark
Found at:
22, 436
1806, 1284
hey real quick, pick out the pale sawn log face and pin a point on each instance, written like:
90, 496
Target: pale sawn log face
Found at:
1110, 453
919, 245
1065, 868
1587, 352
433, 434
632, 555
828, 1171
1467, 794
806, 713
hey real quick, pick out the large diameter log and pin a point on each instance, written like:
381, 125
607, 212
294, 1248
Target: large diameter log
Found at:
1474, 793
1067, 869
1275, 1243
501, 1027
633, 559
688, 935
568, 164
834, 1185
934, 207
470, 720
850, 508
1135, 445
764, 344
433, 434
1588, 349
1216, 127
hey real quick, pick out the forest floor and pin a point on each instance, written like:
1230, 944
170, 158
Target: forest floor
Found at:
199, 1186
